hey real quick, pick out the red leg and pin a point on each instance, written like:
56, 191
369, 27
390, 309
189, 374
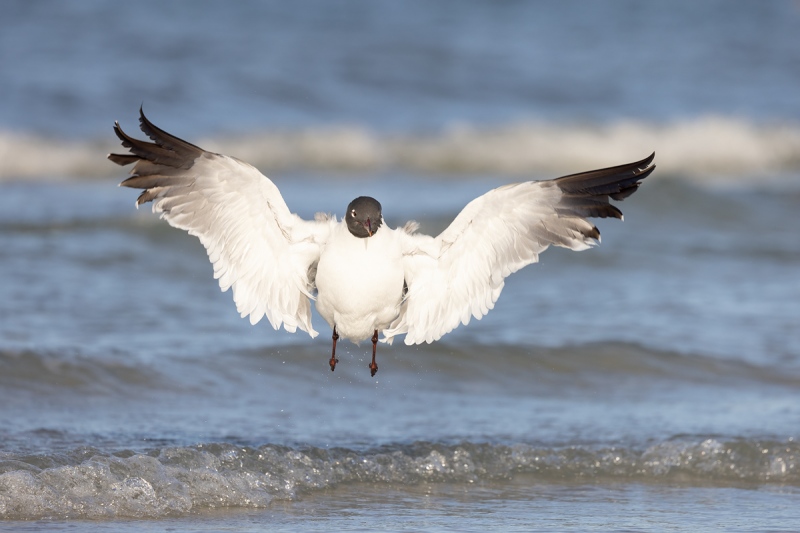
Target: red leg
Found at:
333, 360
373, 367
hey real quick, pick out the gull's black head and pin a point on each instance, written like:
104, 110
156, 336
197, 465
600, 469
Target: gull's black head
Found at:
364, 217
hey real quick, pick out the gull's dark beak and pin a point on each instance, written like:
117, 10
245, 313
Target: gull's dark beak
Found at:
369, 227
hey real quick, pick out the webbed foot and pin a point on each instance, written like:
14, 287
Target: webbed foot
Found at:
333, 360
373, 366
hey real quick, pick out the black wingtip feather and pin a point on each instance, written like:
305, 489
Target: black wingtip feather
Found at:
166, 140
608, 181
123, 159
165, 149
587, 194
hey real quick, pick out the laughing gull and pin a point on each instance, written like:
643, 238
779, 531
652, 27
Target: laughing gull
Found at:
366, 277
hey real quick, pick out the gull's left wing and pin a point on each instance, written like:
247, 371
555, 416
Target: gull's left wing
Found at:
460, 273
266, 254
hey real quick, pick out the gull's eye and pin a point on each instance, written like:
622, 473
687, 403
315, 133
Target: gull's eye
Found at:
353, 213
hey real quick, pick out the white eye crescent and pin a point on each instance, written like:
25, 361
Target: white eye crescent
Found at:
353, 213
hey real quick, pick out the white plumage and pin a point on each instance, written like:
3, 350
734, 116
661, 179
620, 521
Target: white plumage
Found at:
388, 280
360, 281
462, 271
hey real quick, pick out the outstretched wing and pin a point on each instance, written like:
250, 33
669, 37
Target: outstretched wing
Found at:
460, 273
256, 245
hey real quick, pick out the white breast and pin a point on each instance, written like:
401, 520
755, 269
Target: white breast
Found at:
360, 282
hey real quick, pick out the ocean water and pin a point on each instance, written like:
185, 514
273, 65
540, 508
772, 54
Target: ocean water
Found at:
649, 384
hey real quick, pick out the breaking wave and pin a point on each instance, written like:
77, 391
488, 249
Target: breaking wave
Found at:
567, 368
54, 372
173, 481
714, 146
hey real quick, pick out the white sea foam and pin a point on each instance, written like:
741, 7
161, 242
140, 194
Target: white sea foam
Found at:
724, 148
173, 481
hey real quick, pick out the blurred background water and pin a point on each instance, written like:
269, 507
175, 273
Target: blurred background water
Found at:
650, 383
